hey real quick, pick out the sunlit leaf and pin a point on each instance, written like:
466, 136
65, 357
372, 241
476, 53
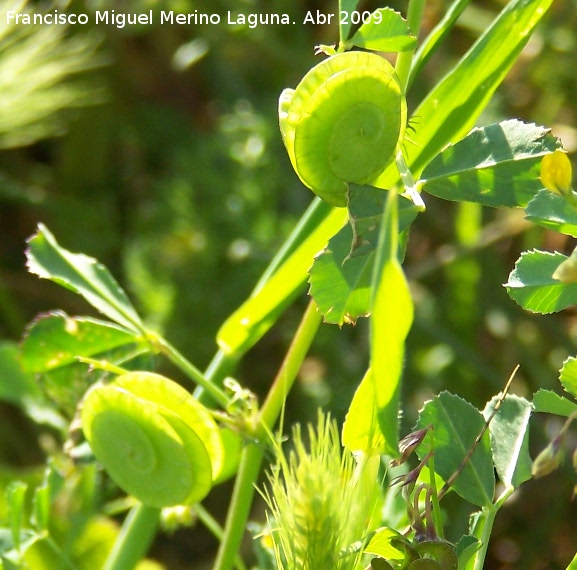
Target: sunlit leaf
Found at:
497, 165
509, 431
392, 317
361, 431
532, 285
451, 109
55, 340
341, 275
254, 317
386, 31
83, 275
547, 401
380, 544
456, 426
553, 212
345, 24
568, 376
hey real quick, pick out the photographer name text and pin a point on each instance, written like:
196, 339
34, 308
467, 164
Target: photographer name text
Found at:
122, 19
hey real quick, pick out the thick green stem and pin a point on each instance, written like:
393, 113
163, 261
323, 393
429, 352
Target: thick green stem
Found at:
252, 455
134, 539
405, 58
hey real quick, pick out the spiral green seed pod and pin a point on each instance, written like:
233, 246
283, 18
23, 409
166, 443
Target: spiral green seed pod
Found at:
343, 123
154, 440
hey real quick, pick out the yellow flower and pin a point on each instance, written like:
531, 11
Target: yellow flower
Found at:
556, 172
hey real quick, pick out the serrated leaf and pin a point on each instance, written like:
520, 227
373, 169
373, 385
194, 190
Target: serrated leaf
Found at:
386, 31
568, 376
531, 283
547, 401
497, 165
392, 317
453, 106
365, 206
553, 212
56, 340
361, 430
456, 426
509, 430
339, 284
83, 275
340, 278
466, 548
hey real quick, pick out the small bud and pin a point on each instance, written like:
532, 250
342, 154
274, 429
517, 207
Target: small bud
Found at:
556, 173
412, 476
409, 443
548, 460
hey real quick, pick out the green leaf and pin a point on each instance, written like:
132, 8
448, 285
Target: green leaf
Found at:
568, 376
254, 317
392, 317
15, 497
457, 425
366, 205
497, 165
21, 386
83, 275
346, 6
531, 283
548, 402
452, 107
341, 275
553, 212
340, 284
386, 31
361, 430
509, 430
56, 340
466, 548
380, 544
436, 36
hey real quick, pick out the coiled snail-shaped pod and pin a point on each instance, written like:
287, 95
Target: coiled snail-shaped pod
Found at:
343, 123
154, 440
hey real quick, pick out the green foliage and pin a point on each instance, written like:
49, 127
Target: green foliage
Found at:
161, 444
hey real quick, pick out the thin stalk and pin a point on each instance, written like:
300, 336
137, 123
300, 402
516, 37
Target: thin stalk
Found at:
212, 525
405, 58
252, 455
485, 528
190, 370
135, 537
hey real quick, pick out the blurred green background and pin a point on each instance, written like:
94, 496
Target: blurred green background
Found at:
156, 150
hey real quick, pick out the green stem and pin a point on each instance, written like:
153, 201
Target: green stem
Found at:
405, 58
252, 455
212, 525
190, 370
484, 528
134, 539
